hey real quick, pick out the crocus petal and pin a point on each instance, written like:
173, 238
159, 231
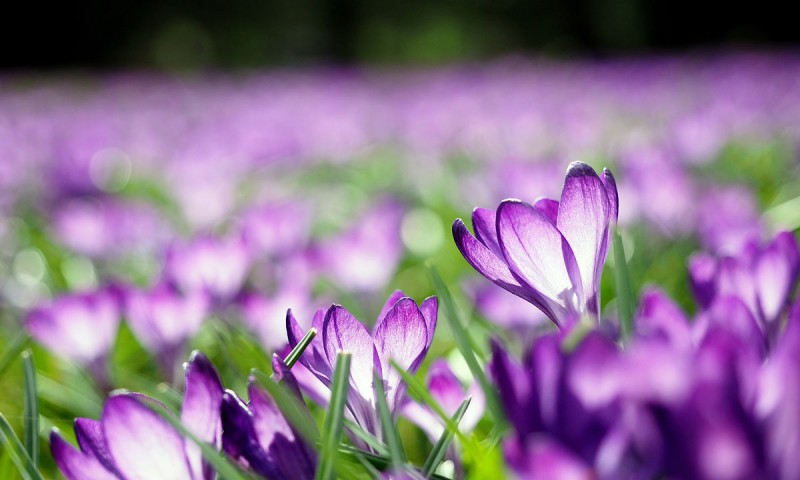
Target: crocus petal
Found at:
660, 318
76, 465
493, 267
583, 217
343, 332
143, 444
484, 223
542, 458
314, 358
89, 434
613, 197
430, 310
537, 252
776, 272
548, 207
393, 298
200, 413
240, 439
402, 336
702, 277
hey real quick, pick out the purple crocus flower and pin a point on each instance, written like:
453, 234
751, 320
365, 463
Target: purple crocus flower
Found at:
215, 266
549, 253
402, 333
763, 278
132, 442
80, 327
164, 320
258, 436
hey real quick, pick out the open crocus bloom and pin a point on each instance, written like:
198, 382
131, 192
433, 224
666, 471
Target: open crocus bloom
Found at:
402, 333
549, 253
132, 442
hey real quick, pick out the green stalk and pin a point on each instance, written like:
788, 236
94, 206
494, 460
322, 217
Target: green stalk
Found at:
334, 418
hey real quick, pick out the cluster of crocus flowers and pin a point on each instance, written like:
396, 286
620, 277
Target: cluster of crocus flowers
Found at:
550, 253
403, 334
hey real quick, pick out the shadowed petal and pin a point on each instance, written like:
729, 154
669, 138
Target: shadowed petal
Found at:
430, 310
548, 207
402, 336
76, 465
484, 223
702, 277
314, 358
200, 412
660, 318
343, 332
545, 459
537, 252
613, 197
89, 434
240, 439
583, 217
143, 444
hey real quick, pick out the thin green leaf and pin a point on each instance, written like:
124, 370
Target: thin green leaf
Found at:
301, 346
12, 350
379, 462
440, 448
31, 412
625, 297
390, 434
292, 408
215, 458
463, 343
367, 437
334, 418
14, 447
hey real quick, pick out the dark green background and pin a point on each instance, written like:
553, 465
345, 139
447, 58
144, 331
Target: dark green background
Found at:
249, 33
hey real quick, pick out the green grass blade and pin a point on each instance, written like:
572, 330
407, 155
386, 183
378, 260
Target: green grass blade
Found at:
31, 412
625, 297
367, 437
292, 408
12, 350
17, 451
224, 468
440, 448
390, 434
334, 418
464, 345
301, 346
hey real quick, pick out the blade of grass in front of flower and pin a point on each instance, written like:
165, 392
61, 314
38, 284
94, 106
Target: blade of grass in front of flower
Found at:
12, 350
464, 345
292, 408
22, 460
390, 434
31, 412
625, 299
367, 437
334, 418
224, 467
301, 346
440, 448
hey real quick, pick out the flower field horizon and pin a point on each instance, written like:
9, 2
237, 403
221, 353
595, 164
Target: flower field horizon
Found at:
275, 262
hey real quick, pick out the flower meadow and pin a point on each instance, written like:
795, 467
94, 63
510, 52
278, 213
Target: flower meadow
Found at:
518, 269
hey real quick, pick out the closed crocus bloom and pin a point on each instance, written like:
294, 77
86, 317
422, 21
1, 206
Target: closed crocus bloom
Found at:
403, 333
164, 319
132, 442
258, 436
549, 253
80, 327
215, 266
